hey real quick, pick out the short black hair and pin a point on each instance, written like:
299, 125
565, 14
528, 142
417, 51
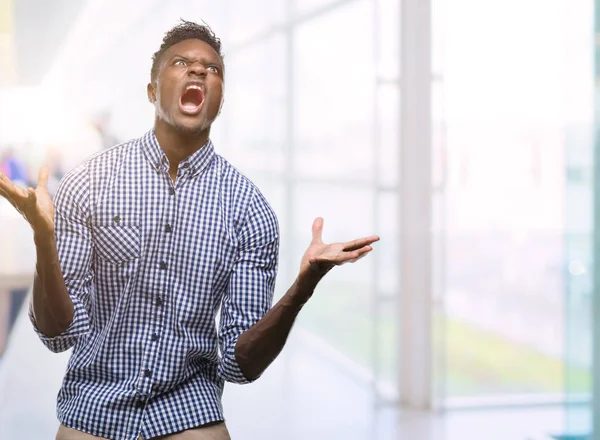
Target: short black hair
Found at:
186, 30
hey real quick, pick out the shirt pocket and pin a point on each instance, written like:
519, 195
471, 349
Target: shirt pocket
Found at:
117, 243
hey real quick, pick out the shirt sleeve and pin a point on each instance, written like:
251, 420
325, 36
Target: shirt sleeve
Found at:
74, 244
252, 283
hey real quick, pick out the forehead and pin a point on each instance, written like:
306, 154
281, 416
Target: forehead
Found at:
192, 48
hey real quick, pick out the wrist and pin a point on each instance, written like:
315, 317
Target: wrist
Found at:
44, 239
308, 280
305, 284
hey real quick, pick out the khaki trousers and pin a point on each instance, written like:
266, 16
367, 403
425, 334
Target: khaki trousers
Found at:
212, 432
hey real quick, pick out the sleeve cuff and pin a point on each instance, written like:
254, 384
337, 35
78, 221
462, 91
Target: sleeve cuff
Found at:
79, 327
229, 369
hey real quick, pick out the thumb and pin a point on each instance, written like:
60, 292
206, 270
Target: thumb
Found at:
31, 197
317, 230
43, 177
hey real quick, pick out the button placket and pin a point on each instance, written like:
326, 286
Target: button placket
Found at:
160, 299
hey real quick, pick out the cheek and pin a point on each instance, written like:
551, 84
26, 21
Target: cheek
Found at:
166, 91
217, 96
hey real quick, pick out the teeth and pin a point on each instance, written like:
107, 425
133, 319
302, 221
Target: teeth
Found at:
194, 86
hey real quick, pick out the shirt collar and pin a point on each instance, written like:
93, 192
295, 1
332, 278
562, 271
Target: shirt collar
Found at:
193, 164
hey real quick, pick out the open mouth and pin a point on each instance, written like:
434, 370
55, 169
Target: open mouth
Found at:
192, 99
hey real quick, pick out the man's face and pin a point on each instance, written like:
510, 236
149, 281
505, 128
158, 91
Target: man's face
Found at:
188, 90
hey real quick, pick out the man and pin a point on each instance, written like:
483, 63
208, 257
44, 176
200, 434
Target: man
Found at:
144, 244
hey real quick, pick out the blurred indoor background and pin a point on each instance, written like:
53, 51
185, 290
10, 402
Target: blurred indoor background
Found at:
460, 131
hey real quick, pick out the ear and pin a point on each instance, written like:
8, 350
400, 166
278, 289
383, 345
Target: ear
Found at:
151, 90
221, 106
222, 102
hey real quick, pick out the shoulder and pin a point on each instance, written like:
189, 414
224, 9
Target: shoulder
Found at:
233, 178
239, 184
107, 159
104, 158
75, 184
245, 194
255, 212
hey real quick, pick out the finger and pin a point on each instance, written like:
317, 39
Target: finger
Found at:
43, 177
359, 258
31, 200
6, 184
363, 251
359, 243
11, 189
355, 258
5, 195
343, 257
18, 207
317, 230
31, 196
351, 257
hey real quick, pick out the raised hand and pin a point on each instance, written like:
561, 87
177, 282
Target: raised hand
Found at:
320, 257
35, 205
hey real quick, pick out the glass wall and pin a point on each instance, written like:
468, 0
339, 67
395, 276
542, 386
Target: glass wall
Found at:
312, 116
518, 112
305, 118
582, 263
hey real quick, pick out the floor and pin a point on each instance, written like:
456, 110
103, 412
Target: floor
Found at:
302, 396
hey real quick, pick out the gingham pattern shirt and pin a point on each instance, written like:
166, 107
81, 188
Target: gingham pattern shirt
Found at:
148, 264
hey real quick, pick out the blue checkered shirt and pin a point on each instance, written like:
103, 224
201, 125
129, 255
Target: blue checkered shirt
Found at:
148, 264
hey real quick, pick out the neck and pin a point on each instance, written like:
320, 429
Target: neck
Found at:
176, 145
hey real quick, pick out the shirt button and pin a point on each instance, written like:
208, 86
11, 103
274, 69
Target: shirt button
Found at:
139, 404
186, 165
172, 191
147, 373
117, 219
168, 229
159, 301
154, 337
163, 265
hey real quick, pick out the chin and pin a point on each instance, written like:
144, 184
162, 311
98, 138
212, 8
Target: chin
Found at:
191, 129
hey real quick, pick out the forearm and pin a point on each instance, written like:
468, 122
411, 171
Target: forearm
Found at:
258, 347
52, 306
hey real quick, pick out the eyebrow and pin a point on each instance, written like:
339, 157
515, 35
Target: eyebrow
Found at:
202, 60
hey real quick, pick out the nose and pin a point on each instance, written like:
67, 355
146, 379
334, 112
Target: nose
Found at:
197, 69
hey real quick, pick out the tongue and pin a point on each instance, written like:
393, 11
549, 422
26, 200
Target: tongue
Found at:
191, 99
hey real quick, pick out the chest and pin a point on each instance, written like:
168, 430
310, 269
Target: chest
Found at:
189, 224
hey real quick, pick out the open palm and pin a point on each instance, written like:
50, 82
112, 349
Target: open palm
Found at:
320, 257
35, 205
